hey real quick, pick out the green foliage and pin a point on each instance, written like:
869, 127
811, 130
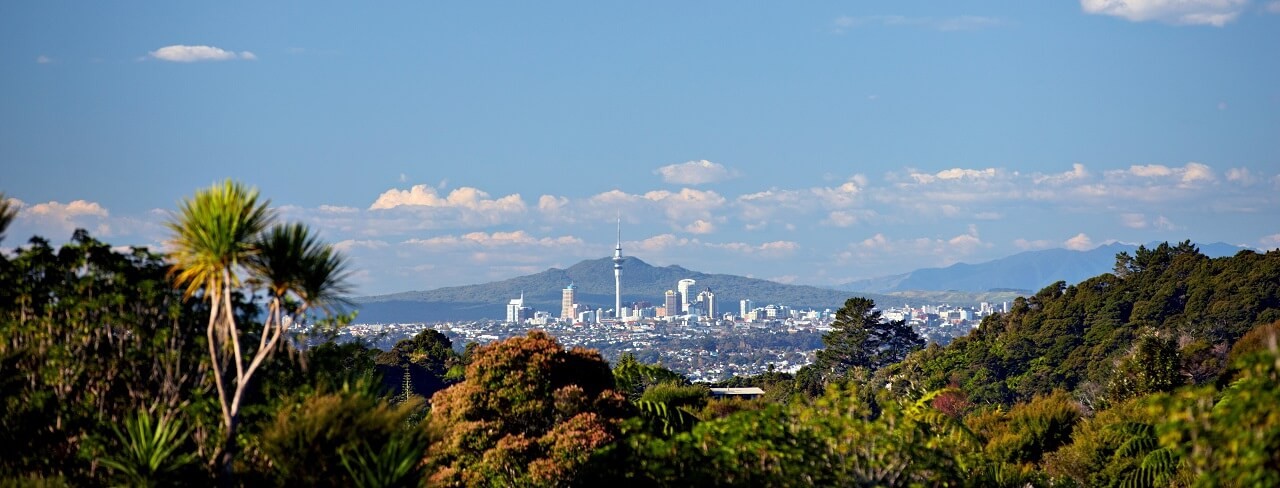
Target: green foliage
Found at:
1028, 431
150, 452
427, 358
397, 464
664, 418
7, 213
1165, 318
633, 378
861, 339
1152, 366
318, 439
91, 335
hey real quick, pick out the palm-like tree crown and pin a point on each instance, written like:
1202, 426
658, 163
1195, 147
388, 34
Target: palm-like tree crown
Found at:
213, 233
8, 211
290, 258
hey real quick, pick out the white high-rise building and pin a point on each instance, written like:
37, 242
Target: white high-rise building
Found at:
683, 287
708, 301
516, 311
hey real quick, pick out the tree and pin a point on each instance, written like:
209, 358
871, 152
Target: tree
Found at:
421, 365
7, 213
91, 337
223, 234
529, 413
861, 338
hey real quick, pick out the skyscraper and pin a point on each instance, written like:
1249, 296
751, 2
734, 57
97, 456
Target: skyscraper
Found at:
744, 306
515, 308
566, 303
708, 301
617, 274
683, 287
670, 303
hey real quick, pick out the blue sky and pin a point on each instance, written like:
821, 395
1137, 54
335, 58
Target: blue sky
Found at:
813, 142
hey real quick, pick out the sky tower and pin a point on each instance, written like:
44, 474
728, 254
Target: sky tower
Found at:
617, 274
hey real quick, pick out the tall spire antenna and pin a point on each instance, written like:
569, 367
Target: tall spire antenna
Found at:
617, 273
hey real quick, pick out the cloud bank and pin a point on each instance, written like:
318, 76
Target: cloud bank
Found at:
1178, 12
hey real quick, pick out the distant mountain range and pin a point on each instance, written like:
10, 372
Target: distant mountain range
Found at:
594, 281
1028, 271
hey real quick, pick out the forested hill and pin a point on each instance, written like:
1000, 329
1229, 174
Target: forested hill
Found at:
594, 281
1168, 317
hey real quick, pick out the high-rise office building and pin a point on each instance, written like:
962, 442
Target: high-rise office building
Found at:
683, 287
567, 302
744, 306
670, 302
516, 311
708, 301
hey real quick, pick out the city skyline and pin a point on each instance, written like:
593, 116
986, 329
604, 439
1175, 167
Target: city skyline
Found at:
442, 145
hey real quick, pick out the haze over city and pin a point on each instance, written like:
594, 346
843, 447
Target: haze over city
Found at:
815, 143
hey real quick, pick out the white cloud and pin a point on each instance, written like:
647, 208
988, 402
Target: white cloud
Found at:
42, 59
66, 210
768, 249
465, 197
1241, 176
841, 218
1080, 242
680, 209
1150, 170
953, 174
1133, 220
843, 196
695, 173
179, 53
658, 243
61, 218
1273, 7
1270, 242
1163, 223
1077, 173
1030, 244
349, 245
923, 250
518, 238
551, 204
1195, 172
1181, 12
762, 208
336, 209
946, 24
700, 227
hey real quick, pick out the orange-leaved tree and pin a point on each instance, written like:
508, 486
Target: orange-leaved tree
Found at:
529, 413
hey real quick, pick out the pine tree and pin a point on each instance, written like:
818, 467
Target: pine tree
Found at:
861, 338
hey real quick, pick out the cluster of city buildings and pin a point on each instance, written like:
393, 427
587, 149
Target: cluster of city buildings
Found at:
681, 304
687, 332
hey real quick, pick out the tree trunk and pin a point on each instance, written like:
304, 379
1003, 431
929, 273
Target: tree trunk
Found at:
227, 458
